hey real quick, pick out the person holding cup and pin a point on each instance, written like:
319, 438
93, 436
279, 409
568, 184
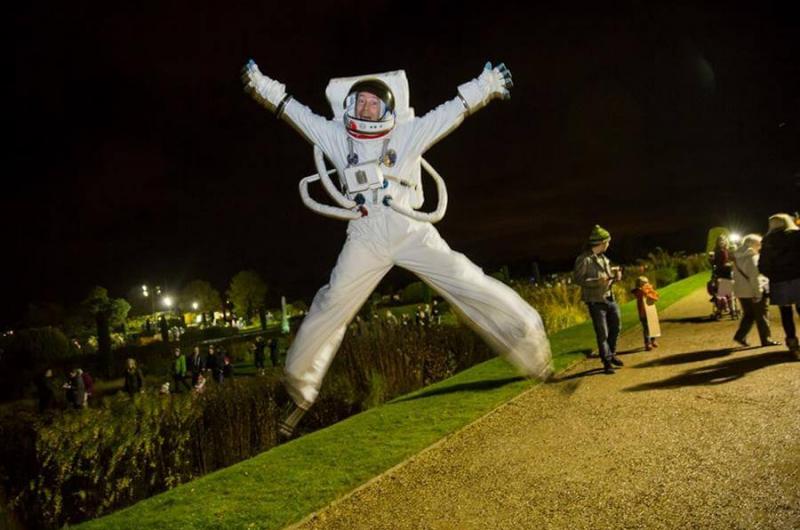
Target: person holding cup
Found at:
595, 275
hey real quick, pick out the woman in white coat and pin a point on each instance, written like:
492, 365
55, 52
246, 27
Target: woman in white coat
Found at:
752, 288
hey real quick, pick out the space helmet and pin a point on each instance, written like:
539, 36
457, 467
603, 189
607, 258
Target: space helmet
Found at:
365, 128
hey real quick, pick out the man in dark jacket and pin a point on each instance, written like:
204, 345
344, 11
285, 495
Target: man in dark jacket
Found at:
134, 380
595, 275
273, 351
76, 392
258, 354
197, 364
780, 262
45, 390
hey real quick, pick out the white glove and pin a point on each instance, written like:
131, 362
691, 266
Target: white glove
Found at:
490, 84
263, 88
496, 81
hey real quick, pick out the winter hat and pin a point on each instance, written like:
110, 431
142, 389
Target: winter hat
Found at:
781, 222
599, 235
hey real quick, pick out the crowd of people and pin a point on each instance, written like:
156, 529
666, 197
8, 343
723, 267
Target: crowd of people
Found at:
188, 374
762, 272
766, 271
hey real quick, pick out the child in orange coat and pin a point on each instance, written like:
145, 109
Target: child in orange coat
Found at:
645, 295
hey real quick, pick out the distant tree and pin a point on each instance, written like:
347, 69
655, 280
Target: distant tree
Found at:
107, 313
201, 292
247, 292
119, 313
28, 352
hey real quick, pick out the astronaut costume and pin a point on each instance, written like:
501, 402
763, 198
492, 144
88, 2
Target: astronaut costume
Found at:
383, 157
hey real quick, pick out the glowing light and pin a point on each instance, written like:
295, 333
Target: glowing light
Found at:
167, 301
195, 305
734, 237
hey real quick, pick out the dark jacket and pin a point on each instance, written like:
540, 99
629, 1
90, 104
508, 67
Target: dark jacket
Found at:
76, 392
134, 381
46, 391
780, 256
197, 363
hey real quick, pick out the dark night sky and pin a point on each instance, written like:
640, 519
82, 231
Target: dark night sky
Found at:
137, 157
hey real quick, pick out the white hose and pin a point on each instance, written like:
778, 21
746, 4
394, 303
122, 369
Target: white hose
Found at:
329, 186
441, 208
323, 209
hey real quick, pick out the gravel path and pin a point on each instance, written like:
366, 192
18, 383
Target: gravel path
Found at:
695, 434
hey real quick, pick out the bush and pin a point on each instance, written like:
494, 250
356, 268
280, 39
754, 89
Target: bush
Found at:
28, 352
664, 276
416, 293
87, 463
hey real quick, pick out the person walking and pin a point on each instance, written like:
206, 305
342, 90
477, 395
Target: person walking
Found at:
258, 354
197, 363
751, 287
76, 392
134, 380
88, 385
273, 351
780, 262
45, 390
179, 372
595, 275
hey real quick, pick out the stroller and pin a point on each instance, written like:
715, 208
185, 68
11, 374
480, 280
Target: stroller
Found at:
723, 301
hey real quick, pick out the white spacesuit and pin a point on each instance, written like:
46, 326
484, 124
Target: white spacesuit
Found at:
383, 155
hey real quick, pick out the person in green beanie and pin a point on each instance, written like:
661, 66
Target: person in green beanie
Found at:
595, 275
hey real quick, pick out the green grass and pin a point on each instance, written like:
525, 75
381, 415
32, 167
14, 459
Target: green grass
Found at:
286, 483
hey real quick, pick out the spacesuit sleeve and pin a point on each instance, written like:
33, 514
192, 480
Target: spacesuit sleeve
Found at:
272, 95
313, 127
438, 123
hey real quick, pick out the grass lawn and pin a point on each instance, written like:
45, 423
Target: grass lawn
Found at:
288, 482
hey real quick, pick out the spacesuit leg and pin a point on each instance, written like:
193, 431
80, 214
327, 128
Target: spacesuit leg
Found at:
492, 309
360, 267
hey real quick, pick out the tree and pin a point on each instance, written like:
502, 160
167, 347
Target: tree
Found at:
202, 293
119, 313
247, 293
106, 312
99, 306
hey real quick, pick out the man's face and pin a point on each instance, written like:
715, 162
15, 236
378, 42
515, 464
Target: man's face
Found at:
601, 247
368, 106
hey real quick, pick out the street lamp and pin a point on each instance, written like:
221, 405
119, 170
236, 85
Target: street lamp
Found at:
146, 294
167, 301
195, 305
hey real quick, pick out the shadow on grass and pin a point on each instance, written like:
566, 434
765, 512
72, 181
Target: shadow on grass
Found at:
474, 386
719, 373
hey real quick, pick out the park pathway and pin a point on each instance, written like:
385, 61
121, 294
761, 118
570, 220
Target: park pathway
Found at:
694, 434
